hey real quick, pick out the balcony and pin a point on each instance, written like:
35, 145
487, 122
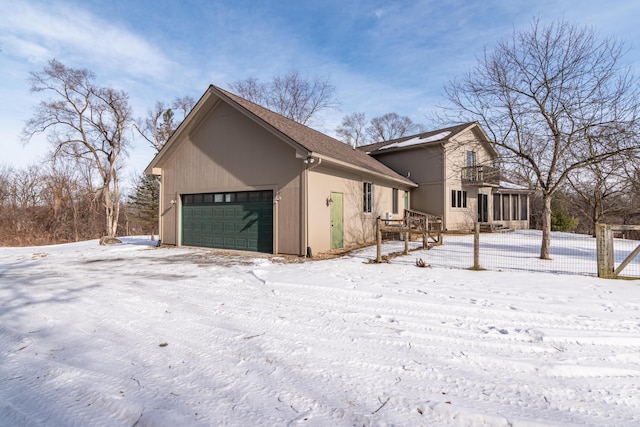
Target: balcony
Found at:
481, 176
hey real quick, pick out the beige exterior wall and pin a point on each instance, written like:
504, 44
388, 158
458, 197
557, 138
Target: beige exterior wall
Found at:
425, 167
458, 218
359, 227
229, 152
437, 169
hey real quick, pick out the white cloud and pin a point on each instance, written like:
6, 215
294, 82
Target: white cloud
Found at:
38, 32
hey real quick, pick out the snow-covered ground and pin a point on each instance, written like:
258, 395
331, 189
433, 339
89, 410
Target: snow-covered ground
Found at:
133, 335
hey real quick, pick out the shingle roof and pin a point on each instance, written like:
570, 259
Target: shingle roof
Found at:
312, 140
428, 136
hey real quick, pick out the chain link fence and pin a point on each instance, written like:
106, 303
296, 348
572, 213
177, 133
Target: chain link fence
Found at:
517, 251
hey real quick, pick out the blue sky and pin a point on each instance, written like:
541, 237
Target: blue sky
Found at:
382, 56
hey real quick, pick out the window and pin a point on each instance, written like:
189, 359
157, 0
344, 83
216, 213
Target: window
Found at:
394, 200
523, 207
367, 193
458, 199
471, 158
505, 207
496, 208
406, 200
514, 207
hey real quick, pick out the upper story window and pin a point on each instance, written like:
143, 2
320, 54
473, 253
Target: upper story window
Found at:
471, 158
367, 195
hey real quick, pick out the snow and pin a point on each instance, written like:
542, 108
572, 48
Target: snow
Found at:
512, 186
136, 335
417, 140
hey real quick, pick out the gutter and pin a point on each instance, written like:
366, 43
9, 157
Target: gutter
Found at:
311, 162
351, 166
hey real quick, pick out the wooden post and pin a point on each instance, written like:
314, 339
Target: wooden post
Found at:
604, 249
407, 235
378, 241
476, 246
425, 234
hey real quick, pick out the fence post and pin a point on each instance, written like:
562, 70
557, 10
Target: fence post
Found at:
425, 234
378, 241
407, 236
604, 250
476, 246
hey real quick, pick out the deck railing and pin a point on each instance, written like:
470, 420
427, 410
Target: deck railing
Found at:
428, 226
481, 175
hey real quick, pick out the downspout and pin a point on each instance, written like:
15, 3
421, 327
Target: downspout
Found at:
445, 205
310, 163
176, 227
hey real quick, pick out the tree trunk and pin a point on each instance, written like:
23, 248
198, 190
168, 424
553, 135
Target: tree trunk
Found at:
111, 203
545, 248
116, 203
76, 234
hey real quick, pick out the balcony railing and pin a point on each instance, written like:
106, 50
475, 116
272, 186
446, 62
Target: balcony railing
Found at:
481, 176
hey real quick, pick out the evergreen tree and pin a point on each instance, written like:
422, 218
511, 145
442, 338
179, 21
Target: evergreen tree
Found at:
145, 202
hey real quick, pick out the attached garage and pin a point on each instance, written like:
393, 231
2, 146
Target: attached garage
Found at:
238, 220
237, 176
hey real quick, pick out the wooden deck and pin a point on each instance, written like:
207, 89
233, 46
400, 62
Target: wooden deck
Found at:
414, 223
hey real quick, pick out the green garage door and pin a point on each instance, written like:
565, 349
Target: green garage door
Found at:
242, 220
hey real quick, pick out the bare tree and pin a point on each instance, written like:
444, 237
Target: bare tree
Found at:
27, 187
6, 173
352, 129
84, 122
290, 94
252, 89
391, 126
555, 99
601, 191
355, 131
161, 121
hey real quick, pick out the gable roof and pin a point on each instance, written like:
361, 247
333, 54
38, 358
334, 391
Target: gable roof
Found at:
315, 142
433, 137
301, 137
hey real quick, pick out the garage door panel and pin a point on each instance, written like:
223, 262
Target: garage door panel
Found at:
230, 221
242, 244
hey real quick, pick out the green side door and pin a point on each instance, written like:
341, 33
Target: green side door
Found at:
337, 229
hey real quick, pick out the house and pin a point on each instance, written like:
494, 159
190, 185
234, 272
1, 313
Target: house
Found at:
458, 177
235, 175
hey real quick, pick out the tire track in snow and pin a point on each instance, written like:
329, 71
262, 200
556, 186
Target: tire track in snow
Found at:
276, 339
437, 314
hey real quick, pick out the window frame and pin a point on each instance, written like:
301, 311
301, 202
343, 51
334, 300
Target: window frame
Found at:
506, 207
472, 158
459, 199
524, 211
497, 207
395, 198
367, 197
